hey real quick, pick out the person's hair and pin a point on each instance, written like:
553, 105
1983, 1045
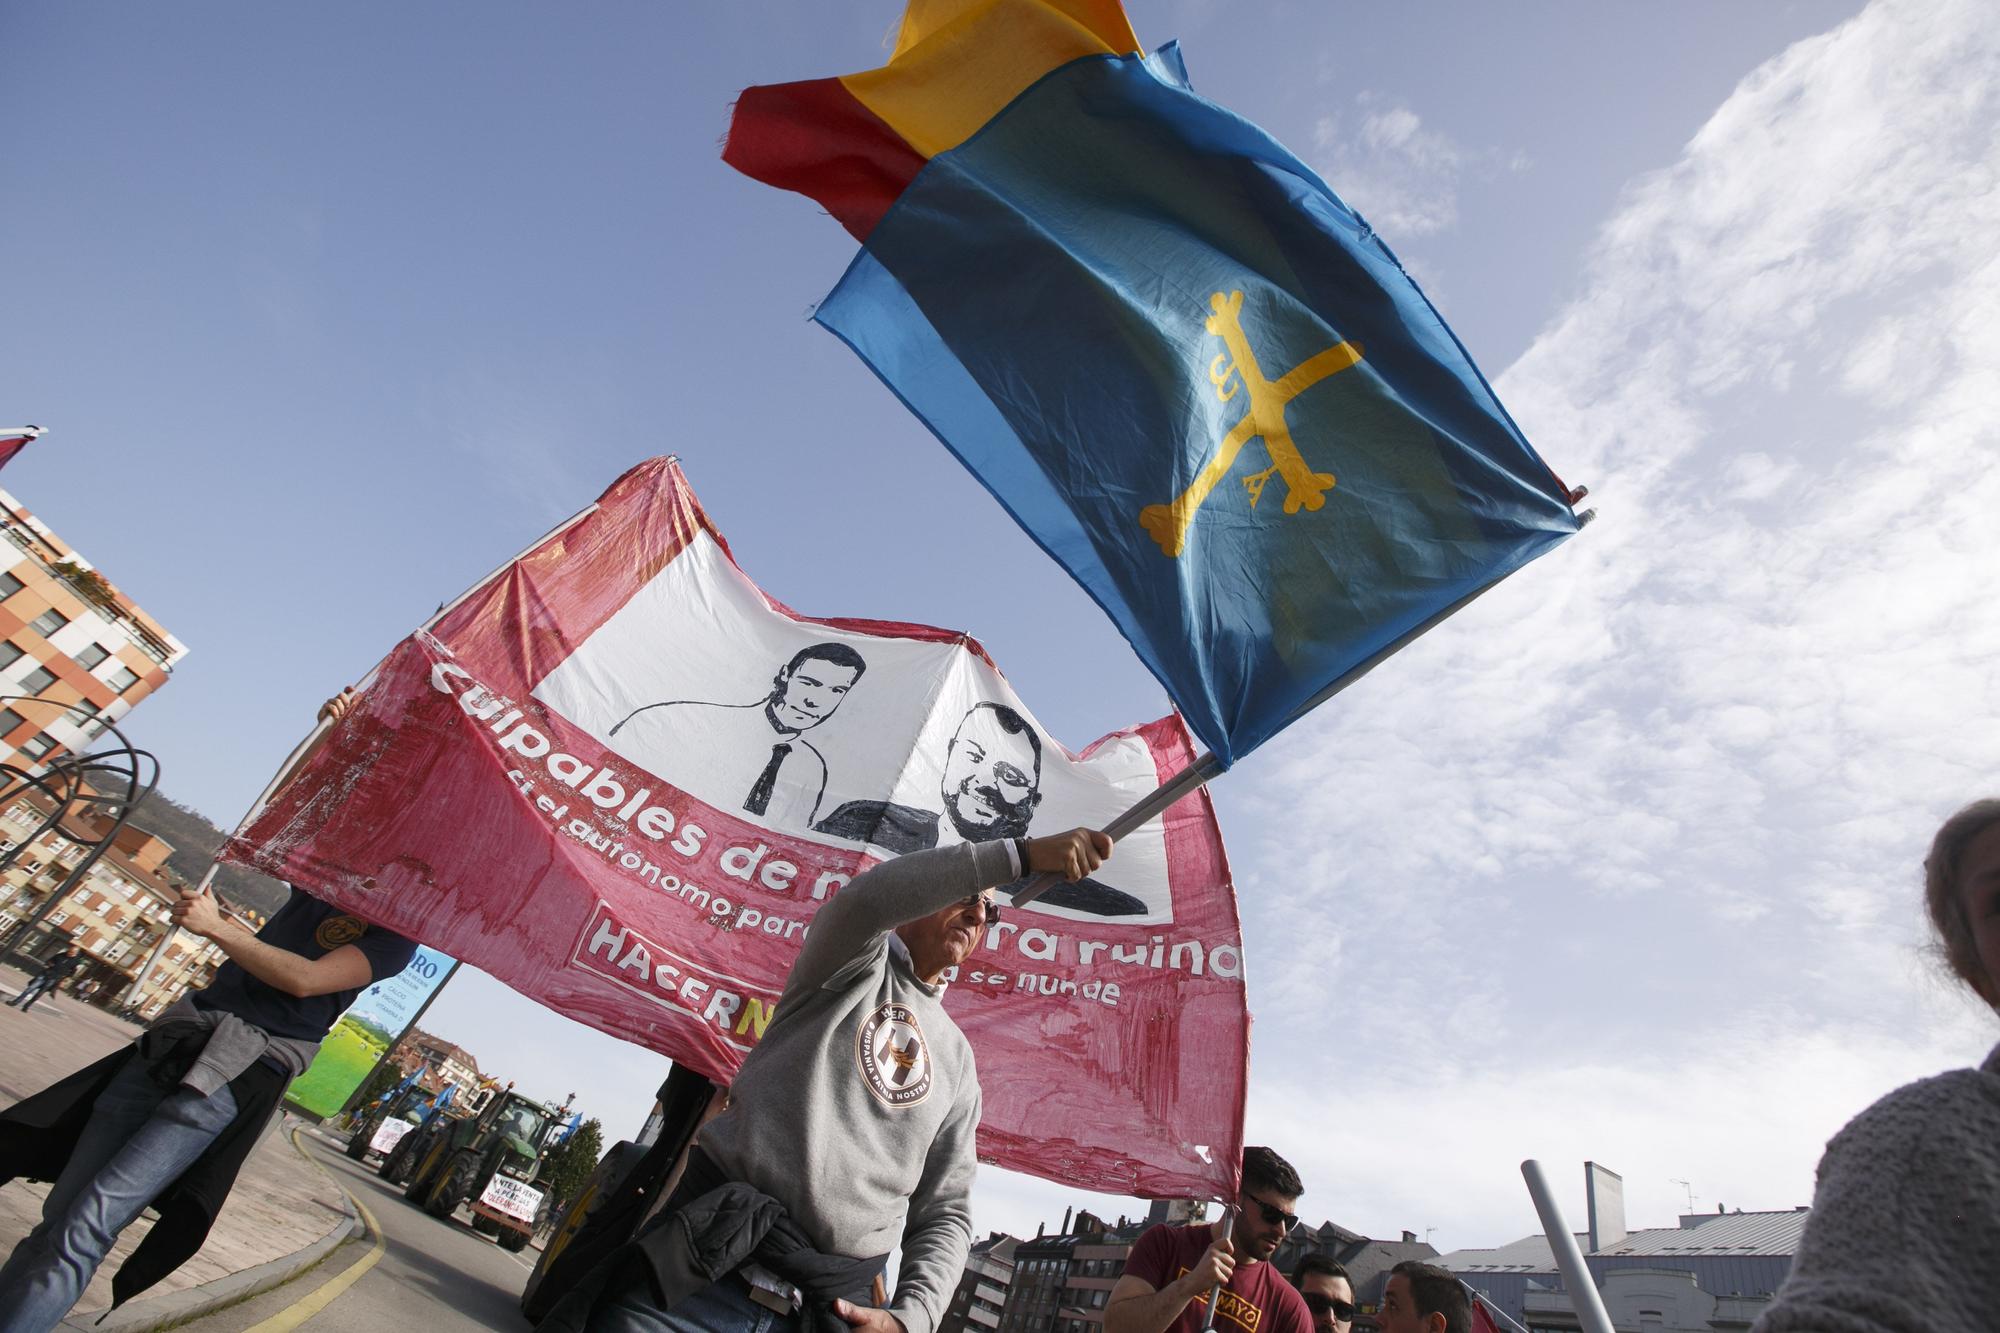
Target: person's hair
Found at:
837, 653
1265, 1170
1436, 1291
1011, 723
1942, 896
1322, 1265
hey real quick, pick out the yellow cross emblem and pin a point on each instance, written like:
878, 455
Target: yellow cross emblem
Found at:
1263, 415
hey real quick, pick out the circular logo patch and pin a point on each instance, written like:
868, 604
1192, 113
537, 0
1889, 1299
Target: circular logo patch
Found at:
893, 1056
338, 930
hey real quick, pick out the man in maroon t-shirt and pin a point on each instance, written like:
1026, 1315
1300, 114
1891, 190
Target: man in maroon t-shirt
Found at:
1172, 1269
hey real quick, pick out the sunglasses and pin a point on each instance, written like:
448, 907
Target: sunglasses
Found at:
1274, 1215
992, 912
1320, 1303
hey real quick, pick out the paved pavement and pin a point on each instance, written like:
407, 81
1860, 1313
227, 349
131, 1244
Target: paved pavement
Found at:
281, 1204
441, 1277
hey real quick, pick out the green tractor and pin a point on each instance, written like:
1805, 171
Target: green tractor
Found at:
492, 1161
379, 1127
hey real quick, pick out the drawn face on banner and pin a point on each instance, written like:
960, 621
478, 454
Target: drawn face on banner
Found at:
895, 743
812, 685
992, 774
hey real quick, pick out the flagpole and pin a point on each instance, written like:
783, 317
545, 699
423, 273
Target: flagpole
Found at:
1583, 1297
1206, 767
1215, 1292
1190, 779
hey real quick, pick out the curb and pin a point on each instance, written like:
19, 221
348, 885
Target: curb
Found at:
148, 1314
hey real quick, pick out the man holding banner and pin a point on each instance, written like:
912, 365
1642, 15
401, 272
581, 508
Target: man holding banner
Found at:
850, 1126
167, 1122
1174, 1272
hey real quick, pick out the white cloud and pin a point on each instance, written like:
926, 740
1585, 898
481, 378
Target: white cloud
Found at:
1630, 847
1401, 175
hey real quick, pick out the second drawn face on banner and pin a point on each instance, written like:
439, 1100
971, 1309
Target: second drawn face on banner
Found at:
892, 742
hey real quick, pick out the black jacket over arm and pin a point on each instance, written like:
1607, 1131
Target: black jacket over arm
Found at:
38, 1133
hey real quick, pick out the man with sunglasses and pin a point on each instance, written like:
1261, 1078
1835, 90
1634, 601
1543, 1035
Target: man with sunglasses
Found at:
1171, 1271
1328, 1293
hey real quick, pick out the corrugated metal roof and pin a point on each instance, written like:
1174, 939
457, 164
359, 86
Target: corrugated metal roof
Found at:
1725, 1234
1530, 1254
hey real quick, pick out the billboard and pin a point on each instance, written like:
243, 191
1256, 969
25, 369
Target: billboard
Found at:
369, 1029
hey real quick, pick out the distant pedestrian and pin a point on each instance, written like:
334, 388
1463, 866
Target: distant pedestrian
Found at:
168, 1121
1905, 1227
1172, 1270
53, 974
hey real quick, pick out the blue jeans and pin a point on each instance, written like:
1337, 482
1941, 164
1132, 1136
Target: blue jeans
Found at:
139, 1139
719, 1307
31, 992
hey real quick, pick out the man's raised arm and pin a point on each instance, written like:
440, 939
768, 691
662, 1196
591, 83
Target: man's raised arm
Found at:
882, 898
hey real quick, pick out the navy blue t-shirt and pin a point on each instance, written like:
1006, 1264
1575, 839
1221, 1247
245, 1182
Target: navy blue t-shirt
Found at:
312, 929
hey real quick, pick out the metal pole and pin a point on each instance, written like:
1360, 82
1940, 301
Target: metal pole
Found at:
77, 772
1229, 1230
1207, 767
1192, 778
1589, 1306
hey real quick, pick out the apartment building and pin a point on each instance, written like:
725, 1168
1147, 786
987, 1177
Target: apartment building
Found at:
118, 914
76, 651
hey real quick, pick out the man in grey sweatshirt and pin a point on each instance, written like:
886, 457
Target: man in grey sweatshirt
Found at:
857, 1111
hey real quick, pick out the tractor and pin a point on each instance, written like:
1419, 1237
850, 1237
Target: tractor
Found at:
379, 1127
492, 1161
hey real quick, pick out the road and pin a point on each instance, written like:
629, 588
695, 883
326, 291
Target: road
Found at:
420, 1272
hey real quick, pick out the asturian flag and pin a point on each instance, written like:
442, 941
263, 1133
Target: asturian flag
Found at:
1194, 374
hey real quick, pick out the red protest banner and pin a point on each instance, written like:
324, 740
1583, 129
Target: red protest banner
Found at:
621, 779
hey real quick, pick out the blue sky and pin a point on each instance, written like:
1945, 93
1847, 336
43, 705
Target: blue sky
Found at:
329, 311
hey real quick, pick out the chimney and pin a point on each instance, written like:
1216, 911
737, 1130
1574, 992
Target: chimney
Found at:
1604, 1202
1065, 1225
1409, 1238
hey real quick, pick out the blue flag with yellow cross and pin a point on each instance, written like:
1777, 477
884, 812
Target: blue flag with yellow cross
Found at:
1191, 371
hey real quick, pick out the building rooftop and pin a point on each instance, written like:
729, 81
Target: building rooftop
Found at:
35, 537
1764, 1233
1769, 1234
998, 1247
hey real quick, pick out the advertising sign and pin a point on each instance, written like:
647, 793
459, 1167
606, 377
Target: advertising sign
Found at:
372, 1025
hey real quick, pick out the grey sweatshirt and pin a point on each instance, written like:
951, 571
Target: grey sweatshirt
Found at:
858, 1108
1905, 1228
